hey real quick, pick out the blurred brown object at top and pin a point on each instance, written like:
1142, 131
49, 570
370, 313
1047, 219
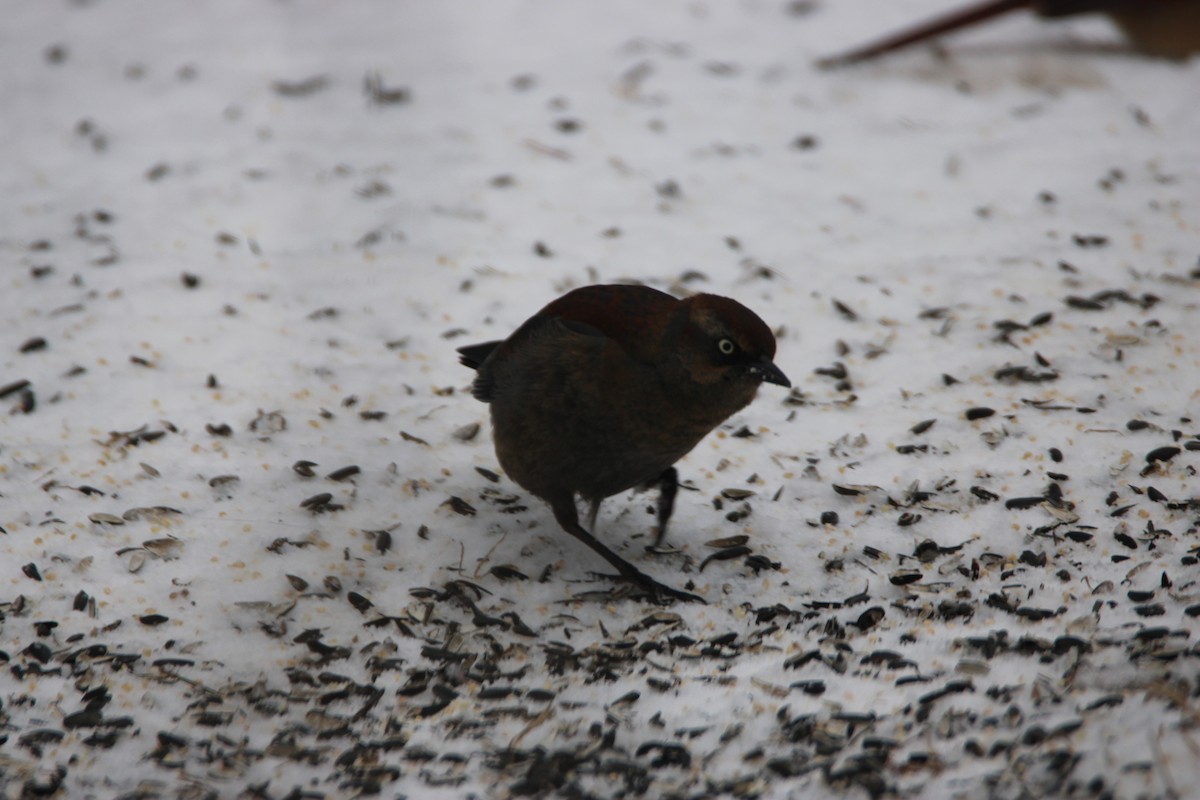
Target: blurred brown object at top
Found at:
1163, 28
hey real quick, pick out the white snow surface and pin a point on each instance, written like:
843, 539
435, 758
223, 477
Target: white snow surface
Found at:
206, 221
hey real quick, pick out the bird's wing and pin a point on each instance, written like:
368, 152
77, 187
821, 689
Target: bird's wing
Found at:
538, 341
631, 316
607, 323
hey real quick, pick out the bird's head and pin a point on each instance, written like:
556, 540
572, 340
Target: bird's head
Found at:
720, 340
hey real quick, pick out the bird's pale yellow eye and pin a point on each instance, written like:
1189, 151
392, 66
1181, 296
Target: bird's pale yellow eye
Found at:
726, 346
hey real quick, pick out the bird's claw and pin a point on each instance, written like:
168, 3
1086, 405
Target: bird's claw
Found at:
659, 590
686, 597
632, 581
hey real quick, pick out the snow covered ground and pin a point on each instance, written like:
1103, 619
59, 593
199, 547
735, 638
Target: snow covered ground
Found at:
254, 543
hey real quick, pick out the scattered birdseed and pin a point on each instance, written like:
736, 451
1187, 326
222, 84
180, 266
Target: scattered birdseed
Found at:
895, 607
343, 473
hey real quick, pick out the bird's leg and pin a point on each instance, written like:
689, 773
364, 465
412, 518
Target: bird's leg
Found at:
568, 517
592, 513
668, 485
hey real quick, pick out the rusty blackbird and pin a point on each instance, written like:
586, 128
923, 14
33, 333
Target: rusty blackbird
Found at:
605, 388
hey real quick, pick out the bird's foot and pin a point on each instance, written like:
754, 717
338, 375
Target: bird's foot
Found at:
659, 590
638, 583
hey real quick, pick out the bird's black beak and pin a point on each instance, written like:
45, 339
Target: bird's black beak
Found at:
771, 374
